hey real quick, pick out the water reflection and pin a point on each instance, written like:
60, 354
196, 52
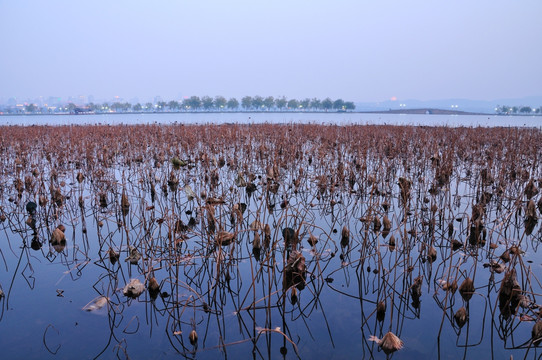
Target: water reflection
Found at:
271, 241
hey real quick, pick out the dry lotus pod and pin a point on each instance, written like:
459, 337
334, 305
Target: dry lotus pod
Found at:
536, 333
381, 310
113, 256
432, 254
345, 237
58, 239
387, 226
267, 236
389, 342
133, 289
224, 238
376, 224
448, 286
133, 256
391, 243
312, 240
466, 289
153, 287
460, 317
256, 246
193, 337
124, 203
256, 225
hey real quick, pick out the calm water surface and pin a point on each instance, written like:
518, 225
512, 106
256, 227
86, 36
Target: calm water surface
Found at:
243, 118
236, 301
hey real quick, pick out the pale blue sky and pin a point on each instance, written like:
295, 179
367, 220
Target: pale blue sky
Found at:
356, 50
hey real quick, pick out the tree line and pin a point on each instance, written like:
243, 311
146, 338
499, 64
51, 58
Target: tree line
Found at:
207, 103
505, 109
220, 103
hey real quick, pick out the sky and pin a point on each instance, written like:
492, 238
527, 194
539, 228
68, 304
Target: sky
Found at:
357, 50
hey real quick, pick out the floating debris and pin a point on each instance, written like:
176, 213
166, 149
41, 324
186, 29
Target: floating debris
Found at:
133, 289
96, 304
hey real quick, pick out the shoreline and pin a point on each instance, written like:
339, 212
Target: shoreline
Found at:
419, 111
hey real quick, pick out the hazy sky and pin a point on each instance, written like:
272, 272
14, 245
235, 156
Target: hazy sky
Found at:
355, 50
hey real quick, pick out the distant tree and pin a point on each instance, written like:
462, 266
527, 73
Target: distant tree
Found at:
349, 105
71, 107
220, 102
338, 104
233, 104
116, 106
514, 110
137, 107
246, 102
316, 104
105, 106
305, 104
327, 104
194, 103
161, 105
538, 110
30, 108
149, 106
269, 102
525, 109
126, 106
293, 104
173, 105
207, 103
505, 109
281, 103
257, 102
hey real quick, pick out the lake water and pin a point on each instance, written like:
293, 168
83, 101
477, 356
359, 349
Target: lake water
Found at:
275, 118
187, 192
